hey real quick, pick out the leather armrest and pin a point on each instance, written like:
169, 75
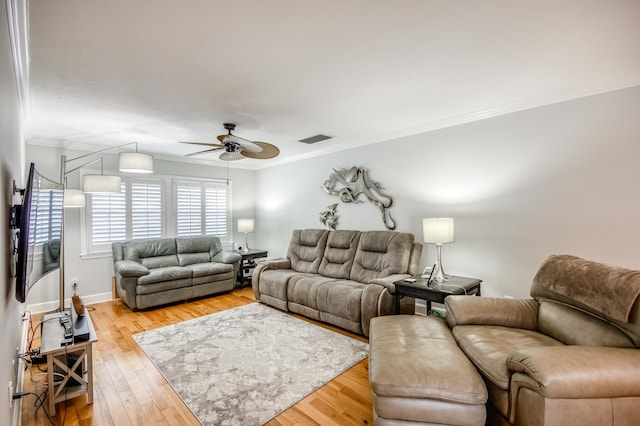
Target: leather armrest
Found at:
226, 256
129, 268
578, 371
388, 281
515, 313
276, 264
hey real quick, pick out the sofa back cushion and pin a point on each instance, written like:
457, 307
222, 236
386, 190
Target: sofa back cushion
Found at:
588, 303
339, 254
380, 254
306, 248
152, 254
193, 250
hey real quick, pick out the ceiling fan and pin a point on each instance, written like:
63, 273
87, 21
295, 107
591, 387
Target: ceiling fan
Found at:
237, 148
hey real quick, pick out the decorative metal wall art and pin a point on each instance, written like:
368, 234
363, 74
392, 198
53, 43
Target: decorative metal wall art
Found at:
329, 218
355, 182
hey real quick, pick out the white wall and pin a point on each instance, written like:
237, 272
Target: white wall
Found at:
11, 167
558, 179
94, 274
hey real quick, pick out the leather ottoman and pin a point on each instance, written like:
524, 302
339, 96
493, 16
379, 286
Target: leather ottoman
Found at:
419, 375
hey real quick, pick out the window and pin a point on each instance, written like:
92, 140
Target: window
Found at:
155, 208
201, 209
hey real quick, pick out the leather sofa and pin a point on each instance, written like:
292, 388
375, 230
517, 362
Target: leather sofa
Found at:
568, 356
159, 271
342, 277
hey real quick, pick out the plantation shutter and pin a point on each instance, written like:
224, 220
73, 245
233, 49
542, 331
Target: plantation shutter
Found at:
201, 209
108, 217
189, 209
216, 210
146, 210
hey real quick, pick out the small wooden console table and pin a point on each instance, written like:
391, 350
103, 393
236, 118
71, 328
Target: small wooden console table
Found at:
77, 378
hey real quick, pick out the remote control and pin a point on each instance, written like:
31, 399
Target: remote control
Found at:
68, 328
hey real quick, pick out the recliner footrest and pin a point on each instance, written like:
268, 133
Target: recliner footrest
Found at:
418, 374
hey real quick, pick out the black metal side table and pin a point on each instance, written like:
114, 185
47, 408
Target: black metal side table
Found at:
248, 264
435, 291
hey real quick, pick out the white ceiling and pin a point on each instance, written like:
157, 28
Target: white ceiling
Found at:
103, 73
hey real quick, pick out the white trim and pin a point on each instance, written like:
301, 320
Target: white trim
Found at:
17, 404
91, 299
18, 22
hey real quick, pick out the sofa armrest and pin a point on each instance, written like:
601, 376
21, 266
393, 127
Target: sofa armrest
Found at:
266, 265
129, 268
516, 313
388, 281
226, 256
578, 371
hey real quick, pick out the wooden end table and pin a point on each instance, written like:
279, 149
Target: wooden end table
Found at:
435, 291
77, 379
248, 264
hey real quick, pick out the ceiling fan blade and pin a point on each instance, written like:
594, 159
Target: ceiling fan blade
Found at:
217, 145
246, 144
205, 151
268, 151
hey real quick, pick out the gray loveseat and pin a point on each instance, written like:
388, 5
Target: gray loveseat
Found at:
160, 271
344, 278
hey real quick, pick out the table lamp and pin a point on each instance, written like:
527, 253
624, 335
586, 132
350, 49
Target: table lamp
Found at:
438, 231
246, 226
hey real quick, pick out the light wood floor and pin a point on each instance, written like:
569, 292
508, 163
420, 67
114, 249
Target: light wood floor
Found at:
129, 390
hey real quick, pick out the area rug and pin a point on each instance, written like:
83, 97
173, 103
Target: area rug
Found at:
246, 365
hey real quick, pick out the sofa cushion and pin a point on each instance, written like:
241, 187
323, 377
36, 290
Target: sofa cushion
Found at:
339, 253
380, 254
342, 299
209, 268
488, 347
306, 248
151, 253
303, 289
197, 249
168, 273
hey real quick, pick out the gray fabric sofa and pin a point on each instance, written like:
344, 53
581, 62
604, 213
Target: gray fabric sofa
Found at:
159, 271
344, 278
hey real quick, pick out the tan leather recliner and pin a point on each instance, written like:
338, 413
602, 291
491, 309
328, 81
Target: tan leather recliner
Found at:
569, 356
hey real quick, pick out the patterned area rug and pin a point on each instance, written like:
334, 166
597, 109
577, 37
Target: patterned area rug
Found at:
246, 365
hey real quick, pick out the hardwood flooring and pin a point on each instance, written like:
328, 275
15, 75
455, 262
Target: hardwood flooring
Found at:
129, 390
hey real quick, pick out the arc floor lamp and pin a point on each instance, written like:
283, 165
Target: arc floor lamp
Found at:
129, 162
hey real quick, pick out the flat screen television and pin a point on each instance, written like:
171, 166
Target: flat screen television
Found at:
40, 231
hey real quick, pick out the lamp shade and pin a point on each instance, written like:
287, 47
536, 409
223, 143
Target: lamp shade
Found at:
73, 198
245, 225
438, 230
101, 183
136, 162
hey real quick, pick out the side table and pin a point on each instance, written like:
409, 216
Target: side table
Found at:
248, 264
435, 291
77, 378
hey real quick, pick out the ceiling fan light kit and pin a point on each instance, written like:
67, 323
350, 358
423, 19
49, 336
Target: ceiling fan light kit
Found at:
237, 148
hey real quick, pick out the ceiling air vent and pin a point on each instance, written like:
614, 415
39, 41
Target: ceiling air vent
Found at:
315, 139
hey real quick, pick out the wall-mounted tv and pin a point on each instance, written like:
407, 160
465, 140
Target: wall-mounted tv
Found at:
40, 231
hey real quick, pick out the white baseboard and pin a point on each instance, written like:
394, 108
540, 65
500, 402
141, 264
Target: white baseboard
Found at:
53, 305
17, 403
